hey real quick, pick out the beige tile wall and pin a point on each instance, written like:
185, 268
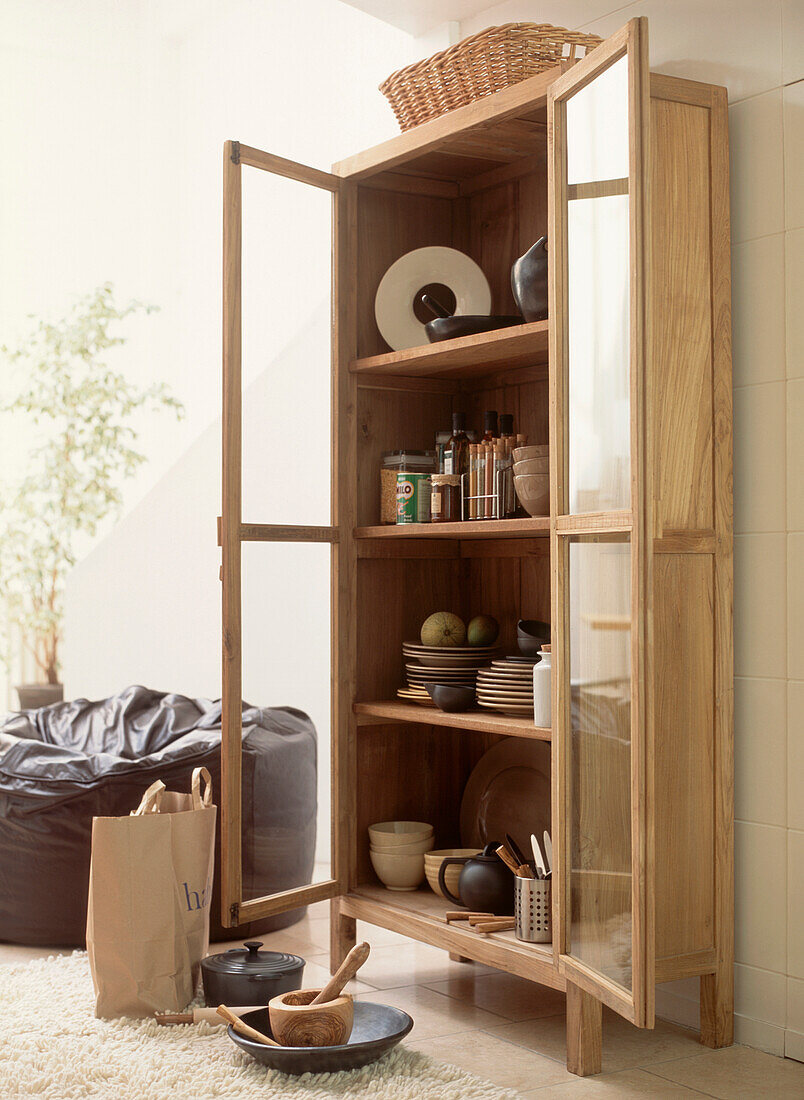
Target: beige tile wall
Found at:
756, 50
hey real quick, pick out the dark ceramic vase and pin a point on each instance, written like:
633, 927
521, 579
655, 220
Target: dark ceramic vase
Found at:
529, 282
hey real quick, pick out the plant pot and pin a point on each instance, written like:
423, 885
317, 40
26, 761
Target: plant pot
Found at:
32, 696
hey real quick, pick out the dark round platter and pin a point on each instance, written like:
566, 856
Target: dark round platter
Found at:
376, 1029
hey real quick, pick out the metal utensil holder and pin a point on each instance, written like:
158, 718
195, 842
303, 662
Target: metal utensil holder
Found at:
532, 910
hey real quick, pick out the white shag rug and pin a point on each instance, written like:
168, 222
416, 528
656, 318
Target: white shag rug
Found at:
51, 1045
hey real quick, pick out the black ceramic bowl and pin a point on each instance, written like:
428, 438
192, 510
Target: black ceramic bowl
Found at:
376, 1029
450, 697
531, 635
448, 328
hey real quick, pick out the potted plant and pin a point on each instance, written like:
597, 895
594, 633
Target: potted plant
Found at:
79, 412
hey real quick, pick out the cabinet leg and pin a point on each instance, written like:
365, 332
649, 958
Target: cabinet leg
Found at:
342, 935
459, 958
717, 1008
584, 1032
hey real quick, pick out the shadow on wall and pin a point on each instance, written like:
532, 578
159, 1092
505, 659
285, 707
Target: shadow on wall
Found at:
144, 606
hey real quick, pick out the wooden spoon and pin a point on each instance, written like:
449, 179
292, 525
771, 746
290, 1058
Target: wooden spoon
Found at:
244, 1029
345, 972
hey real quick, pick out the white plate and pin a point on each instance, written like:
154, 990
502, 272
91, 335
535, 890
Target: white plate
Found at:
393, 305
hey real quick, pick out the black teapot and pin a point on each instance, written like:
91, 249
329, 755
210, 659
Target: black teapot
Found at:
529, 282
486, 885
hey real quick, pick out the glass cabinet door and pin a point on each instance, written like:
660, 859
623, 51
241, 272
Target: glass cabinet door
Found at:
280, 560
598, 112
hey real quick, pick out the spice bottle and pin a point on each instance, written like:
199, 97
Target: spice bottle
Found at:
456, 455
445, 501
491, 431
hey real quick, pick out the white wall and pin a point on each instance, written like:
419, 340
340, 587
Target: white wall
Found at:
757, 51
144, 605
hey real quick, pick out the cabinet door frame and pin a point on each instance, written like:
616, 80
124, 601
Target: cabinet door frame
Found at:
232, 532
636, 1005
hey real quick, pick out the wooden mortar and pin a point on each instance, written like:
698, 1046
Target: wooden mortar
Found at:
295, 1022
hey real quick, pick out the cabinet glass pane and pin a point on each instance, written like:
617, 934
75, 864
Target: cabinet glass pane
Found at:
598, 336
597, 127
286, 664
600, 751
287, 333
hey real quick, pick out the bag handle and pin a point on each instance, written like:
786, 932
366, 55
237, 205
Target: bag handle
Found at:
201, 802
149, 802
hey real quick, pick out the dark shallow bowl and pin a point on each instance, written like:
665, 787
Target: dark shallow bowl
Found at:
376, 1029
452, 698
531, 635
448, 328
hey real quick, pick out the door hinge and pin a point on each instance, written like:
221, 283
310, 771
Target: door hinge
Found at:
235, 152
234, 913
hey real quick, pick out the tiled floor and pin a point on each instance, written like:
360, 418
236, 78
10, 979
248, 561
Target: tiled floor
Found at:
511, 1032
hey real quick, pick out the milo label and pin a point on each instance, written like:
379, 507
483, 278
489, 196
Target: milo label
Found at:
412, 498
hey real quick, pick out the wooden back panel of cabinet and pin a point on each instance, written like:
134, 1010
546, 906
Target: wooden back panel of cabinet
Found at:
690, 426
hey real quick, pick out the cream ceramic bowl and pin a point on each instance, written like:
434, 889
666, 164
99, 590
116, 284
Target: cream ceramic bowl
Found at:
533, 491
532, 466
419, 847
432, 865
390, 834
538, 450
398, 872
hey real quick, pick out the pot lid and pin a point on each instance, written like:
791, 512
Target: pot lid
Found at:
249, 959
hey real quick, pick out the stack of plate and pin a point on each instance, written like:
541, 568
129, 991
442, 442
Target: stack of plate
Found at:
416, 695
457, 665
507, 686
467, 658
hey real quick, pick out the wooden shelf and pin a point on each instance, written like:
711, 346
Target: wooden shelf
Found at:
532, 527
420, 914
484, 353
503, 724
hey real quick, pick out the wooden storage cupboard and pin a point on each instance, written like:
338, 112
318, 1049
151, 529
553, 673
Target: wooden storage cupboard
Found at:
630, 381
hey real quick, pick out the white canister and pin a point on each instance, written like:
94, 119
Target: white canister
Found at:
542, 688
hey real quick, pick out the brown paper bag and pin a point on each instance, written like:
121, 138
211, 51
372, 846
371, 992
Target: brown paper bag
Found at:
150, 886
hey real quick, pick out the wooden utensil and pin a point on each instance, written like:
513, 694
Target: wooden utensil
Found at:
201, 1015
504, 924
244, 1029
507, 859
515, 850
463, 915
345, 972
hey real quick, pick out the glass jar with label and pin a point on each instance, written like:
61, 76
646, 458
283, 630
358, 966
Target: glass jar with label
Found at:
398, 462
445, 499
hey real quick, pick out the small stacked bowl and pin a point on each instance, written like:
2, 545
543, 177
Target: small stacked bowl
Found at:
397, 850
532, 478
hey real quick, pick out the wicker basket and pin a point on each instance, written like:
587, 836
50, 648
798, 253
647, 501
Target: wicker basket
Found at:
478, 66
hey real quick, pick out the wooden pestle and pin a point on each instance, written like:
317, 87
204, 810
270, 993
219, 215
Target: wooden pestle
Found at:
244, 1029
345, 972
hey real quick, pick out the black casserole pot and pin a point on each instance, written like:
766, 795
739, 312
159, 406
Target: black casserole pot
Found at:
248, 976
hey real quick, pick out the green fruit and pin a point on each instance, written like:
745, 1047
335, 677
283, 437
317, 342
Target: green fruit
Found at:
483, 630
443, 629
